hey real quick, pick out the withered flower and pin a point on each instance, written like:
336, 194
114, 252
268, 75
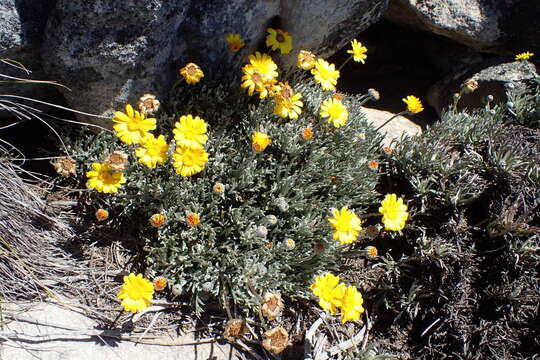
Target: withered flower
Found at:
65, 166
276, 340
234, 328
272, 306
148, 104
469, 86
117, 160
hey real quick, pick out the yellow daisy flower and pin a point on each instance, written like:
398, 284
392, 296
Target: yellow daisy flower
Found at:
131, 127
189, 161
192, 73
394, 212
414, 105
358, 51
253, 80
259, 141
157, 220
324, 288
153, 151
193, 219
278, 39
104, 179
263, 64
136, 293
306, 60
190, 131
350, 303
325, 74
524, 56
346, 224
235, 42
335, 111
288, 103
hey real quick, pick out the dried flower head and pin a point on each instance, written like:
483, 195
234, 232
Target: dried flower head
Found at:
469, 86
218, 188
157, 220
160, 283
65, 166
272, 306
278, 39
307, 133
371, 251
192, 73
102, 214
260, 141
375, 95
234, 328
177, 289
117, 160
282, 204
373, 164
193, 219
372, 231
235, 42
319, 247
276, 340
148, 104
270, 220
387, 150
306, 60
337, 96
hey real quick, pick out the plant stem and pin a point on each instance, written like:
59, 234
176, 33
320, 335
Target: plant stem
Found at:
392, 118
345, 62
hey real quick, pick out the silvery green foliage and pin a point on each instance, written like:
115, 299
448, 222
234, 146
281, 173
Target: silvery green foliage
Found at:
294, 183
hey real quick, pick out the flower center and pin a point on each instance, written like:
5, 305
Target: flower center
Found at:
280, 37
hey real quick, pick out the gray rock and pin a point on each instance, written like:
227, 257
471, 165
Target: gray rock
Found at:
395, 128
110, 53
488, 25
491, 78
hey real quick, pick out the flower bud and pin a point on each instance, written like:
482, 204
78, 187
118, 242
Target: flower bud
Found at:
102, 215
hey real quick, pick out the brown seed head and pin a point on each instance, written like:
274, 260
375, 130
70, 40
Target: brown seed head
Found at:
65, 166
234, 328
117, 160
469, 86
276, 340
272, 306
148, 104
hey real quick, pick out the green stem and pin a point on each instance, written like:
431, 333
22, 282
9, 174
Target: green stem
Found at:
344, 63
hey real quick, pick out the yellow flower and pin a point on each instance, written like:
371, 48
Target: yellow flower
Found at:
104, 179
307, 133
279, 39
305, 60
190, 131
358, 51
193, 219
288, 103
325, 74
259, 141
335, 111
160, 283
346, 224
263, 64
157, 220
102, 214
324, 288
131, 127
189, 161
235, 42
414, 105
153, 151
524, 56
350, 303
253, 80
394, 212
192, 73
136, 293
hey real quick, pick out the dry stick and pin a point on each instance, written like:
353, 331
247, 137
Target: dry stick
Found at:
345, 62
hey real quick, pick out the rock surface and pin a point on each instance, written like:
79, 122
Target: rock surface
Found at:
111, 53
491, 78
395, 128
488, 25
64, 338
